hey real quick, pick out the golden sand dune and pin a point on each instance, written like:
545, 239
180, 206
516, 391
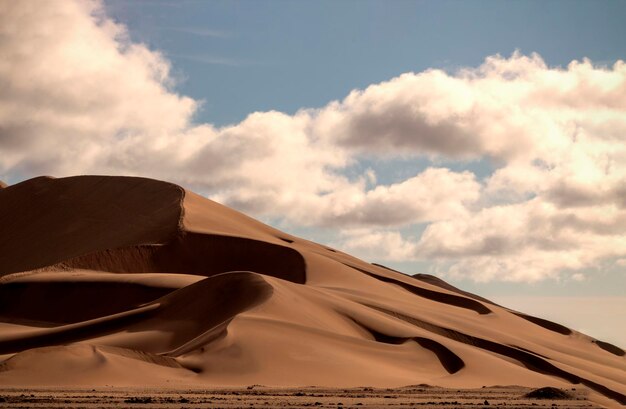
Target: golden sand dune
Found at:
130, 281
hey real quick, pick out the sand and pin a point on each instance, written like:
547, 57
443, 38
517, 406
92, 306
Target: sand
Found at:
135, 283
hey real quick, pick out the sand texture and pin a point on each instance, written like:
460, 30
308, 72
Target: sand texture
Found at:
132, 282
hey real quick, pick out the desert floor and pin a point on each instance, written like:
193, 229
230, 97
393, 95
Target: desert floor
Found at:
264, 397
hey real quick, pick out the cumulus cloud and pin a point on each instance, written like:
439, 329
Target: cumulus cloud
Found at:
555, 203
434, 194
80, 97
508, 109
527, 241
380, 245
73, 84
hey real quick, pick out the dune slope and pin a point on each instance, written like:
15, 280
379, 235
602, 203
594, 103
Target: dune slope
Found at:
104, 277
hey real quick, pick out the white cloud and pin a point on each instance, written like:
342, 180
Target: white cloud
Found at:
434, 194
378, 245
556, 202
80, 97
73, 85
529, 241
509, 109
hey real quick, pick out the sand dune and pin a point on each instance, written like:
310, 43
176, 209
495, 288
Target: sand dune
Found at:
130, 281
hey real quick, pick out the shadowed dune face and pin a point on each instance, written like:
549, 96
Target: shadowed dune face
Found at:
552, 326
21, 302
199, 254
185, 318
122, 225
449, 360
610, 348
103, 277
527, 358
450, 299
48, 220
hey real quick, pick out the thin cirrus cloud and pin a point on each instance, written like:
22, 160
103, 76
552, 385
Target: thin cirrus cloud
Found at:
201, 32
216, 60
80, 97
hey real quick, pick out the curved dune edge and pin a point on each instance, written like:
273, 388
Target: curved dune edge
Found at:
549, 325
530, 360
220, 254
451, 362
187, 314
450, 299
111, 276
610, 348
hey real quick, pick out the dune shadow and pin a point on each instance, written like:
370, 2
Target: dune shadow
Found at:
528, 359
450, 361
445, 298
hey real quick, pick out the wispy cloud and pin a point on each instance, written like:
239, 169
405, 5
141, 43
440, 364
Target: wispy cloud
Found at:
217, 60
201, 32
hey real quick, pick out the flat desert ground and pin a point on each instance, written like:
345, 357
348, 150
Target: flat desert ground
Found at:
263, 397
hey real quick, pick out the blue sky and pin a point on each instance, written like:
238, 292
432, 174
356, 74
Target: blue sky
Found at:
246, 56
479, 141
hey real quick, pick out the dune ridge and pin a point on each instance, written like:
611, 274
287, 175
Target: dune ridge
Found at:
108, 276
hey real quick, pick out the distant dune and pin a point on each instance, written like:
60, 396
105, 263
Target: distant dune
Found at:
131, 282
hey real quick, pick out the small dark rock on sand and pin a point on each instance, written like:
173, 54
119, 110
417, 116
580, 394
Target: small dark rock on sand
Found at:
548, 393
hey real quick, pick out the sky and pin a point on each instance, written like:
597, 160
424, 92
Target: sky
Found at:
482, 142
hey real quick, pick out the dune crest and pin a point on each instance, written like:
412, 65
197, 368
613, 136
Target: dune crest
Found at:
101, 277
